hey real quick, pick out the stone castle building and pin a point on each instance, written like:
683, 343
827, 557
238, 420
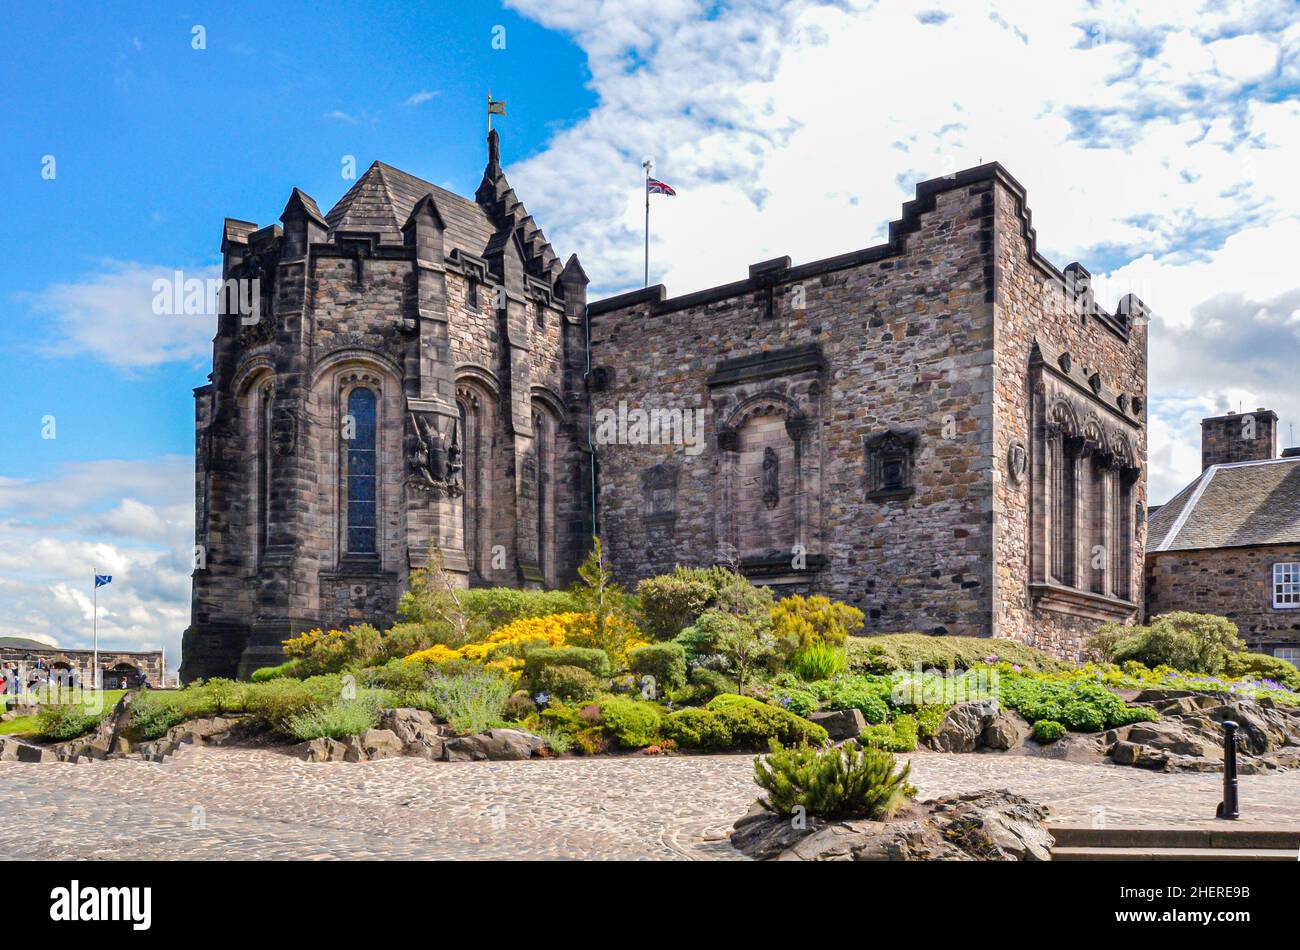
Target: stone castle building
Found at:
943, 430
1229, 543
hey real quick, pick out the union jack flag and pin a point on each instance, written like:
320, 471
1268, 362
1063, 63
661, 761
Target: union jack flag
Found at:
654, 186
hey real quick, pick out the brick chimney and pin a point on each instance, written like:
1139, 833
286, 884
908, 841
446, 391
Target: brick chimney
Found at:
1239, 437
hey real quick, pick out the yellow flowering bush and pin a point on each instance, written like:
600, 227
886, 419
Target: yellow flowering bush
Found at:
503, 648
329, 651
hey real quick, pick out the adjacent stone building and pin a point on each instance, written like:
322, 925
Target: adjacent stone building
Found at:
1229, 543
67, 667
944, 429
402, 370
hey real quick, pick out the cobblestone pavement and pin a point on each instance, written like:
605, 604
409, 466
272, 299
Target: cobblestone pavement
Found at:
235, 803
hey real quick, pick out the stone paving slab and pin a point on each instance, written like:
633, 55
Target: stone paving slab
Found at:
257, 804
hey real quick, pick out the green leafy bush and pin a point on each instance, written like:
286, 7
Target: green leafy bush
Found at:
739, 722
897, 736
797, 699
665, 662
1263, 666
59, 723
1080, 706
838, 782
905, 651
818, 661
594, 661
634, 724
670, 603
274, 703
868, 694
1196, 643
929, 719
338, 720
1047, 731
572, 684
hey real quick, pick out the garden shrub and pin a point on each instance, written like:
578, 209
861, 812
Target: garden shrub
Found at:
838, 782
906, 651
330, 651
798, 700
58, 723
799, 622
751, 722
1263, 666
274, 703
1081, 706
491, 608
897, 736
868, 694
669, 603
818, 661
1196, 643
471, 703
338, 720
709, 683
697, 728
1047, 731
519, 707
595, 662
665, 662
633, 724
568, 683
929, 719
288, 668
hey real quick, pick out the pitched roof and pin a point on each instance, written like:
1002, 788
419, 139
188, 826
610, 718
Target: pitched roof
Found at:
1236, 505
382, 200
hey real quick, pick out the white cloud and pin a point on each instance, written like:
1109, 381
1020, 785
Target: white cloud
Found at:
110, 315
1156, 141
421, 97
133, 520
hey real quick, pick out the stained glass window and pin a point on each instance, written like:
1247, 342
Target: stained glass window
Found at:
362, 481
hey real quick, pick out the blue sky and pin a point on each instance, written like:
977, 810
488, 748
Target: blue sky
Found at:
1157, 141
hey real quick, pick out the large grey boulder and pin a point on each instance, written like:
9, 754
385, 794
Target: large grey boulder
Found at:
1166, 734
380, 744
493, 745
964, 724
840, 724
982, 826
321, 750
1006, 731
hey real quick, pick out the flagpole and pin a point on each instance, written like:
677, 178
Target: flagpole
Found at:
94, 626
646, 165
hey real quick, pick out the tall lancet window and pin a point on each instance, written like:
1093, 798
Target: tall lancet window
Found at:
263, 469
361, 479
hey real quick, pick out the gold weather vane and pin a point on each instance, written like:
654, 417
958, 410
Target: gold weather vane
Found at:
495, 107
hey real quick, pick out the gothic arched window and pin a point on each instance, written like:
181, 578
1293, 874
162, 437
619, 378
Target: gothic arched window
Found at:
263, 469
361, 473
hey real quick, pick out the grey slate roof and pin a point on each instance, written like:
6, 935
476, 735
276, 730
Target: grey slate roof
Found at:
1237, 505
382, 199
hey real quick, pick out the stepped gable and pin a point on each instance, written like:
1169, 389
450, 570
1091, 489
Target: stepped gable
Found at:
509, 214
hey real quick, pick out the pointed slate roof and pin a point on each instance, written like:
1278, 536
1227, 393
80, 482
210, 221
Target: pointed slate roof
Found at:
382, 199
1237, 505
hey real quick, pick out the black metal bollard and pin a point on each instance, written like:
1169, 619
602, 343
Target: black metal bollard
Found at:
1229, 807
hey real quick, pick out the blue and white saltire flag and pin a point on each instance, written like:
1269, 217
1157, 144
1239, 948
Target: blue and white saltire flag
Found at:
102, 579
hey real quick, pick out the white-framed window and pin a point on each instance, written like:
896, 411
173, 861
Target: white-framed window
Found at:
1290, 654
1286, 585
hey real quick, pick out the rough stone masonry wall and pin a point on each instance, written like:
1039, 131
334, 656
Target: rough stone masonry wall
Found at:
907, 340
1030, 302
1233, 582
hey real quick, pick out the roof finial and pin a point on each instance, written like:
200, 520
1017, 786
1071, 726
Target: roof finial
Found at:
494, 148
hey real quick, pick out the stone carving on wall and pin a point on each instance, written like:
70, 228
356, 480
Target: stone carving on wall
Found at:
284, 431
660, 486
1017, 461
435, 456
771, 477
889, 464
